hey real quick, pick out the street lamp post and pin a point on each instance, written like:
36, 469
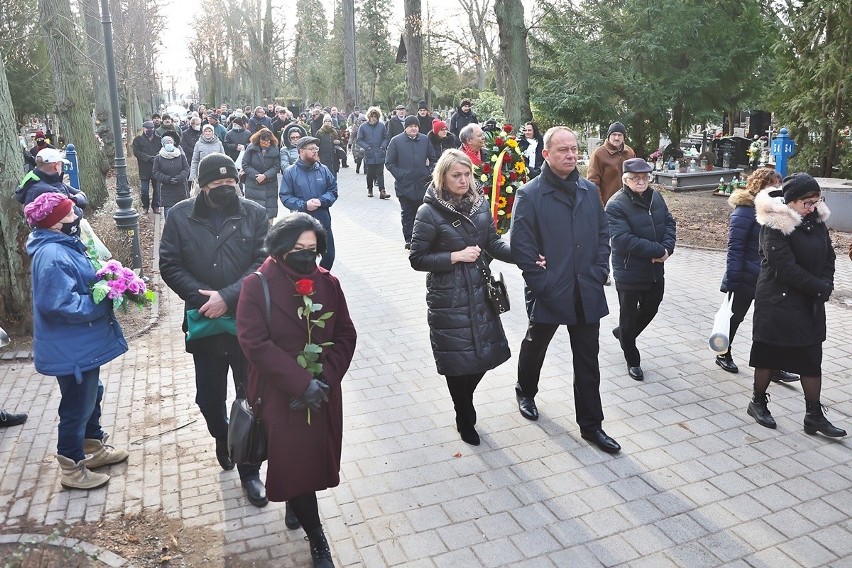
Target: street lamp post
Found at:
126, 217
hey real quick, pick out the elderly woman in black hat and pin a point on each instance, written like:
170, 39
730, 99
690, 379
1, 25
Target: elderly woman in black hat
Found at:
796, 279
643, 237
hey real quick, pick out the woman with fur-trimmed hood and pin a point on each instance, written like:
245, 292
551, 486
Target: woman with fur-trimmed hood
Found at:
742, 265
796, 279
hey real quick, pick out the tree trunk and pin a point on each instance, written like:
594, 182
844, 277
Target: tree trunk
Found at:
15, 285
97, 67
74, 98
514, 61
414, 47
350, 81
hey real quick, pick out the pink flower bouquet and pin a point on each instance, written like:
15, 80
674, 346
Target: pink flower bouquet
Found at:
121, 285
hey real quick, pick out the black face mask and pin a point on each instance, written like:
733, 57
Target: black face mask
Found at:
72, 229
302, 261
222, 196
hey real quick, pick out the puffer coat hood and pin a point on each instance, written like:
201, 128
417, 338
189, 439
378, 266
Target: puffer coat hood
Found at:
466, 333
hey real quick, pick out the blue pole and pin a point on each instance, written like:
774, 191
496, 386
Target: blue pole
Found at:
72, 169
783, 147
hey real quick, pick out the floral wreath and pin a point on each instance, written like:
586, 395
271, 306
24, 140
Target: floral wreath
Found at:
503, 175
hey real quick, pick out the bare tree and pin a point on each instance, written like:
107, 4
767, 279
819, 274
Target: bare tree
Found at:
15, 287
414, 50
74, 98
97, 69
476, 40
514, 60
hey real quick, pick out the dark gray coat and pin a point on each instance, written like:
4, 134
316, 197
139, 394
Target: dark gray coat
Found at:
796, 274
575, 242
639, 234
255, 162
410, 161
373, 138
466, 333
168, 169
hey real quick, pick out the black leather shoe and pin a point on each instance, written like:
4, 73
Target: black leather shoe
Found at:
779, 376
256, 492
223, 455
290, 518
727, 363
526, 404
636, 373
7, 419
600, 439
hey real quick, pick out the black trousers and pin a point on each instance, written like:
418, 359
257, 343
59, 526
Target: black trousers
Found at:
637, 309
587, 373
408, 210
375, 174
739, 307
462, 388
211, 384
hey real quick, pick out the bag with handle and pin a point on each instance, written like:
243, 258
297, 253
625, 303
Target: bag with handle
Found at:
246, 434
721, 333
496, 291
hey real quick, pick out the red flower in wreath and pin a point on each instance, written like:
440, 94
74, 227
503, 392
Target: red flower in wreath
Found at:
499, 141
507, 128
486, 168
305, 287
513, 176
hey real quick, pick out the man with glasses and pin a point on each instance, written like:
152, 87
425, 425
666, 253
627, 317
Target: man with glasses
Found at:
643, 237
310, 187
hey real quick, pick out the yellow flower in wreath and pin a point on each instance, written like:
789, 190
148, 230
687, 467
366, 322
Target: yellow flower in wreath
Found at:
501, 202
512, 143
519, 167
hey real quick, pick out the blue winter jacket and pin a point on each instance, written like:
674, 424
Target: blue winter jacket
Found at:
743, 262
71, 334
301, 182
374, 139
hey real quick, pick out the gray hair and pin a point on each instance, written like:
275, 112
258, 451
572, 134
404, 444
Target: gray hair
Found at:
552, 131
467, 133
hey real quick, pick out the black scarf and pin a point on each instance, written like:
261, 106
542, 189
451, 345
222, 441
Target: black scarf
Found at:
569, 185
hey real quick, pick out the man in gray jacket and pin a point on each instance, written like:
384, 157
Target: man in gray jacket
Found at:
410, 160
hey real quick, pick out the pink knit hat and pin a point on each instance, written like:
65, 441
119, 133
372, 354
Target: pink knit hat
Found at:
47, 209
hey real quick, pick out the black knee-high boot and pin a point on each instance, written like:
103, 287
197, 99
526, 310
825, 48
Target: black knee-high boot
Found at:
463, 403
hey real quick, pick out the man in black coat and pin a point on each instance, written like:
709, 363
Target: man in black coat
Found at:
145, 147
410, 159
396, 123
643, 237
559, 215
209, 244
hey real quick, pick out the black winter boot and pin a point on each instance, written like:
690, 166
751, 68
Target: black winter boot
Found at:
815, 421
320, 552
757, 409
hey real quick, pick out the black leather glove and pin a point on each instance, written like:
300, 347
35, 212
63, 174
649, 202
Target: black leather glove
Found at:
825, 294
313, 397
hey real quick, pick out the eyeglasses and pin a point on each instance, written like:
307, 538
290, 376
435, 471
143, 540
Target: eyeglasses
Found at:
812, 203
638, 179
311, 149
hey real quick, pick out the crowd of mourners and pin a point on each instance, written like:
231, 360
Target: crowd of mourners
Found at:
257, 303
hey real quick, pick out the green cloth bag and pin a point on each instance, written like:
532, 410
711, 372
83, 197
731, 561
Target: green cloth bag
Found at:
198, 325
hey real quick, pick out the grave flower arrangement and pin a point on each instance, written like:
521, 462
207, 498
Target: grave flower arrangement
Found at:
502, 175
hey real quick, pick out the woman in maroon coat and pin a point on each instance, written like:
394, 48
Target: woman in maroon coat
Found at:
302, 410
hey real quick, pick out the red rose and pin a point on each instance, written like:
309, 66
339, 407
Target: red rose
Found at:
305, 287
513, 176
486, 168
499, 141
507, 128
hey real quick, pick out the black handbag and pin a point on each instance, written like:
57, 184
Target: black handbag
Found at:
495, 289
246, 433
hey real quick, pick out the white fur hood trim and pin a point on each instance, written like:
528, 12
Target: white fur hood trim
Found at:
774, 213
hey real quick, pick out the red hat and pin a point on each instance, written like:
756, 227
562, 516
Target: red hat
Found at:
39, 134
438, 125
47, 209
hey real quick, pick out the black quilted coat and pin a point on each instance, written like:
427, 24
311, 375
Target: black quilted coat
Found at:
466, 334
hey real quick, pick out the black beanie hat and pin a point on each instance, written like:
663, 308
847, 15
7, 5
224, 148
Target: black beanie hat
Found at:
216, 166
616, 127
411, 120
422, 104
798, 185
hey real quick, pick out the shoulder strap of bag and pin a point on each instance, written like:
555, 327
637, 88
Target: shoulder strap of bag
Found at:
268, 316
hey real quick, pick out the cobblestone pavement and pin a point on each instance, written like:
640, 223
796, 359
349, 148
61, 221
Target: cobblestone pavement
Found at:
697, 484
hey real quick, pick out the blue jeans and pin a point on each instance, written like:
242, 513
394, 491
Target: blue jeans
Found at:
211, 384
79, 413
146, 184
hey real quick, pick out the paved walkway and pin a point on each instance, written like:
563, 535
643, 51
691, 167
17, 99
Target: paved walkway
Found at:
698, 483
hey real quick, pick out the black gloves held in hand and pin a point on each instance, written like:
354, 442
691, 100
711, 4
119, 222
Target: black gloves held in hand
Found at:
313, 397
